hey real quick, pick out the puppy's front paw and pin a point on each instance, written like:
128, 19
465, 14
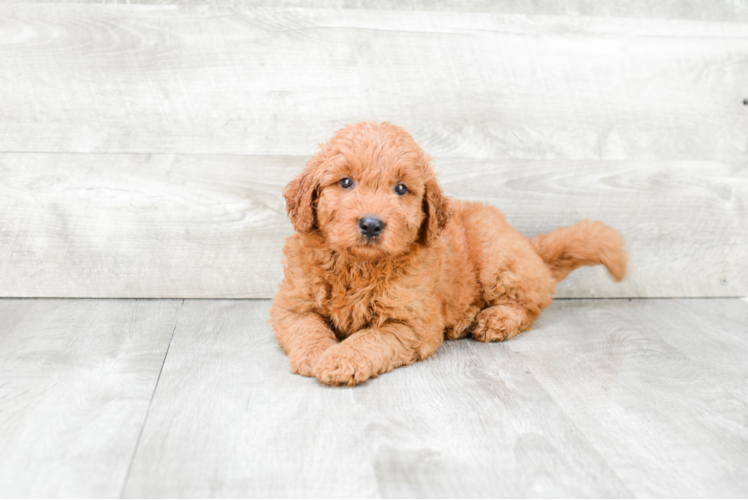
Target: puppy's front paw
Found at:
342, 365
303, 362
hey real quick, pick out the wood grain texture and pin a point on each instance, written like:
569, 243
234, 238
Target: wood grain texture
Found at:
213, 226
550, 116
142, 226
666, 381
229, 420
603, 398
716, 10
241, 80
606, 398
468, 422
76, 379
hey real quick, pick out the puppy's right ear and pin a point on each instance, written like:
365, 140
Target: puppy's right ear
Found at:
300, 195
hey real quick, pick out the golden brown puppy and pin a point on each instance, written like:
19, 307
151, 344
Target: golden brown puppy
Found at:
383, 266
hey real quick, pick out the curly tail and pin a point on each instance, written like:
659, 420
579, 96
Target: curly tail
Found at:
585, 243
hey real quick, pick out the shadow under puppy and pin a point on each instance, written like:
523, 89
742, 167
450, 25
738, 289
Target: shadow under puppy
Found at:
383, 266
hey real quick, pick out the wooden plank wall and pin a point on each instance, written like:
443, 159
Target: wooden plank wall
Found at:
143, 147
715, 10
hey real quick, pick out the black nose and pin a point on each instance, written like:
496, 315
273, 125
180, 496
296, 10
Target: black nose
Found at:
370, 226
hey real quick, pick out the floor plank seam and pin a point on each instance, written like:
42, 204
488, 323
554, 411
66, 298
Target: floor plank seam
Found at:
150, 403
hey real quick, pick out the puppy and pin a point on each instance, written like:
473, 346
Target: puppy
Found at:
383, 266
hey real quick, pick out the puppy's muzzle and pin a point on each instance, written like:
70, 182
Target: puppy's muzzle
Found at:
370, 227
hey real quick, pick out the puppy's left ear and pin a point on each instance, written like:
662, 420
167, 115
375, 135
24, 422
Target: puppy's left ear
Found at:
438, 211
300, 196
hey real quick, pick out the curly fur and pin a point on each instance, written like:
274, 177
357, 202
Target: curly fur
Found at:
350, 308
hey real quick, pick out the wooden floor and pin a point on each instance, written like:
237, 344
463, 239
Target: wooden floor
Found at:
186, 398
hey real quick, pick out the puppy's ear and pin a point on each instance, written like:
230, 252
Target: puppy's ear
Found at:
300, 195
437, 210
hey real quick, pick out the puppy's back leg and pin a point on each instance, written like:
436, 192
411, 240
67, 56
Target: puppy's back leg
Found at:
515, 299
516, 285
501, 322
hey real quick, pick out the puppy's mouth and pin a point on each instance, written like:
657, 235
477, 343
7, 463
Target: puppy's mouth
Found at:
373, 243
370, 241
368, 248
367, 252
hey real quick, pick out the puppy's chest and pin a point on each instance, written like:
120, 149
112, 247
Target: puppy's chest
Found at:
355, 303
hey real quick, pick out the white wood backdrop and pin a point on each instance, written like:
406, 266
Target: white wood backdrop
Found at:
714, 10
143, 147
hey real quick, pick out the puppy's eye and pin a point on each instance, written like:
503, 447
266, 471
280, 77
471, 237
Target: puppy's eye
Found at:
400, 189
346, 183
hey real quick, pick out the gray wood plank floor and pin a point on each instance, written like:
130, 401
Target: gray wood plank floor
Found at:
76, 379
611, 398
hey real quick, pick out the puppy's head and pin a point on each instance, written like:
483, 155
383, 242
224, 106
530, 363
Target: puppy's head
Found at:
370, 191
